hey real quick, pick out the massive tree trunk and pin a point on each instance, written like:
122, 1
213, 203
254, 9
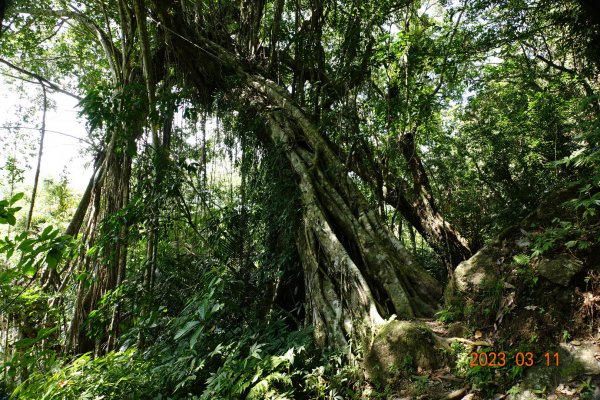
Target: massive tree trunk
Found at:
356, 272
210, 66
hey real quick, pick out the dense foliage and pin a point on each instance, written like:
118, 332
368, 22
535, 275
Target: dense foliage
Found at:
259, 169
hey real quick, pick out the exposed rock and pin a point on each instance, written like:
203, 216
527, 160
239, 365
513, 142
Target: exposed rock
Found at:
540, 376
402, 347
526, 395
559, 269
596, 394
573, 361
457, 329
480, 272
584, 354
456, 394
522, 242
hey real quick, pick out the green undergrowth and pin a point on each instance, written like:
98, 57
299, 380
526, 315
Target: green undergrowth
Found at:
204, 355
117, 375
256, 364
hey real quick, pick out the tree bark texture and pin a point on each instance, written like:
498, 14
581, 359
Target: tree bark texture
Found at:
356, 272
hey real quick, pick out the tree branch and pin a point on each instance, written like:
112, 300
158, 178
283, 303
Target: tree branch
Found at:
589, 91
40, 79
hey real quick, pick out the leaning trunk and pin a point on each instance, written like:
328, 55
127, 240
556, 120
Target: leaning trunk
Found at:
443, 237
415, 202
356, 272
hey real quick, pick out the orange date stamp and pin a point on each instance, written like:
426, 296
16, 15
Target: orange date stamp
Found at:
520, 359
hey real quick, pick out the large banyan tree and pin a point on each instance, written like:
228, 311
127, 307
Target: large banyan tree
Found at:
356, 272
260, 165
301, 69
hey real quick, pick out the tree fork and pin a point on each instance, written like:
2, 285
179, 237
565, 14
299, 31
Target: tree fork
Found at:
356, 273
417, 204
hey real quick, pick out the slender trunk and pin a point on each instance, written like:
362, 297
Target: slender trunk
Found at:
251, 12
153, 222
119, 273
39, 160
161, 156
109, 196
5, 346
275, 32
413, 240
73, 342
49, 275
82, 207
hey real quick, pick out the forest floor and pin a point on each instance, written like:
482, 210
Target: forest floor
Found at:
577, 376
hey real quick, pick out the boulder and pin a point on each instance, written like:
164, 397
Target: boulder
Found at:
402, 347
574, 360
559, 269
585, 355
526, 395
480, 272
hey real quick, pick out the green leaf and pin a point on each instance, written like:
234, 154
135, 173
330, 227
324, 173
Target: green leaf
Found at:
521, 259
186, 328
52, 258
29, 270
24, 343
11, 219
194, 337
217, 350
25, 245
16, 198
46, 232
45, 332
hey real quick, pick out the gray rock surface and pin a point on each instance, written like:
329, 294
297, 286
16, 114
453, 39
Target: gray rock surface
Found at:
559, 269
480, 272
402, 347
574, 361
